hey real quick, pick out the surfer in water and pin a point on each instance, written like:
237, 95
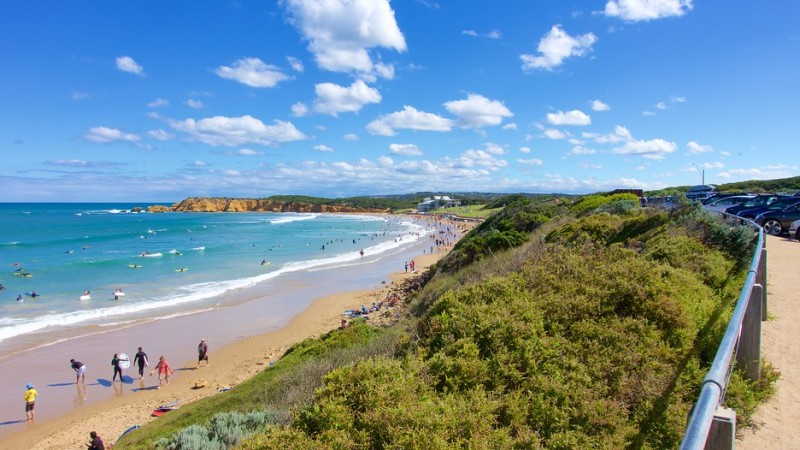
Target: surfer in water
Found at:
117, 293
20, 299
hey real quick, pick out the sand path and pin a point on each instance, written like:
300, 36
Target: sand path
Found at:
779, 419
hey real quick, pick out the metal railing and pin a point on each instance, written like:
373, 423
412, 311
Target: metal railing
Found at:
742, 339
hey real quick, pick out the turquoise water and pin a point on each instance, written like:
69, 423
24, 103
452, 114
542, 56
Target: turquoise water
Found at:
182, 262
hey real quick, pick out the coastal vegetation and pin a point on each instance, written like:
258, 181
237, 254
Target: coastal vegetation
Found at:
554, 324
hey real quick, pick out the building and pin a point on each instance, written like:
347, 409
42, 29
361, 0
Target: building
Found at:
438, 201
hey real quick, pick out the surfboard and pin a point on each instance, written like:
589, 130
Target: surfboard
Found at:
118, 294
85, 297
134, 427
135, 266
182, 269
124, 361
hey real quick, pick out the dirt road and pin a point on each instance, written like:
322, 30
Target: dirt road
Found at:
779, 418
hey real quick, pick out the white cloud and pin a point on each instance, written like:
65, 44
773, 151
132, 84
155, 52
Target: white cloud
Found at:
350, 137
409, 118
235, 131
638, 10
675, 99
482, 159
200, 163
494, 148
405, 149
768, 172
599, 105
531, 162
192, 103
323, 148
299, 109
620, 134
724, 153
248, 152
105, 134
333, 99
160, 135
157, 103
494, 34
296, 64
252, 72
127, 64
588, 165
695, 148
661, 105
652, 149
510, 126
555, 134
574, 117
477, 111
648, 113
341, 32
79, 95
574, 141
231, 173
525, 150
555, 47
580, 150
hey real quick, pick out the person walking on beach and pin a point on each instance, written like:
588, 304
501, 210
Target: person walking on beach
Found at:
115, 361
202, 353
164, 370
140, 360
96, 443
80, 370
30, 399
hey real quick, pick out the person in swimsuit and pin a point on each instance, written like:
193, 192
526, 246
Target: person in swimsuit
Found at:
80, 370
164, 370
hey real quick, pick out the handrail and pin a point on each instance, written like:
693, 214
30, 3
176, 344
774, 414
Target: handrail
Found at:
715, 383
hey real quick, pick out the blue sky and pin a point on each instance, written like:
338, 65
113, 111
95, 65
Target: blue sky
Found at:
157, 101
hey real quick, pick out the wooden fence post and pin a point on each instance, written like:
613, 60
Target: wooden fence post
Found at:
748, 356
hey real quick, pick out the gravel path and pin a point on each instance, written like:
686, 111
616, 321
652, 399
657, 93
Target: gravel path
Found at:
779, 419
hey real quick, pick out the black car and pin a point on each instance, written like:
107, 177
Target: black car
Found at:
777, 205
776, 221
758, 204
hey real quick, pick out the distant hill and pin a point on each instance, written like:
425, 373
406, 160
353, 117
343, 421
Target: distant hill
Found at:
789, 185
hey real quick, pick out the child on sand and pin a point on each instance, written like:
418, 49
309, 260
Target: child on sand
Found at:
30, 399
163, 369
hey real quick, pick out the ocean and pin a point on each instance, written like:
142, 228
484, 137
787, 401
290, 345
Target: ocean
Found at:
167, 264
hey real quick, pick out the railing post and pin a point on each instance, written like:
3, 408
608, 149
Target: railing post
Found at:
761, 278
748, 355
722, 434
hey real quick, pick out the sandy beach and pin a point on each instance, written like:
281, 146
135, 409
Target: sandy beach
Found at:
134, 400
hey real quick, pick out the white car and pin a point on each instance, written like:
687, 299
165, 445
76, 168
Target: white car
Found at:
793, 229
726, 202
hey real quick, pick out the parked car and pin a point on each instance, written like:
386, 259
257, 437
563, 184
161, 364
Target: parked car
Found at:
793, 229
778, 204
761, 200
724, 203
776, 221
718, 195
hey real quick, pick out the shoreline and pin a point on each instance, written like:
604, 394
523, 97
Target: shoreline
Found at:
230, 365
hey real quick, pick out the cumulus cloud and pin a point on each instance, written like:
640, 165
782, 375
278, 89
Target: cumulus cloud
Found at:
645, 10
127, 64
192, 103
574, 117
477, 111
510, 126
531, 161
588, 165
160, 135
333, 99
555, 47
661, 105
580, 150
599, 105
157, 103
323, 148
105, 135
620, 134
525, 149
409, 118
299, 109
252, 72
693, 148
248, 152
405, 149
295, 63
675, 99
652, 149
341, 33
482, 159
555, 134
235, 131
351, 137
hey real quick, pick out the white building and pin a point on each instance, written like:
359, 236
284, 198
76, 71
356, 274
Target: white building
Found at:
438, 201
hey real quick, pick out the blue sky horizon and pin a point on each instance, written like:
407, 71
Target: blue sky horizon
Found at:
158, 101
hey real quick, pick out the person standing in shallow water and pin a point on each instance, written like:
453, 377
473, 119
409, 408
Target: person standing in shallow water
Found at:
202, 353
80, 370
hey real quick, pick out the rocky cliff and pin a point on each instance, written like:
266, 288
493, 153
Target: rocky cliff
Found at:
218, 204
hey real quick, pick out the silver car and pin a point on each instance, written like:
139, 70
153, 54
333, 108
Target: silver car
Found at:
726, 202
793, 229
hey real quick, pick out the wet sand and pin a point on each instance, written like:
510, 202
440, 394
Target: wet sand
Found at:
239, 348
